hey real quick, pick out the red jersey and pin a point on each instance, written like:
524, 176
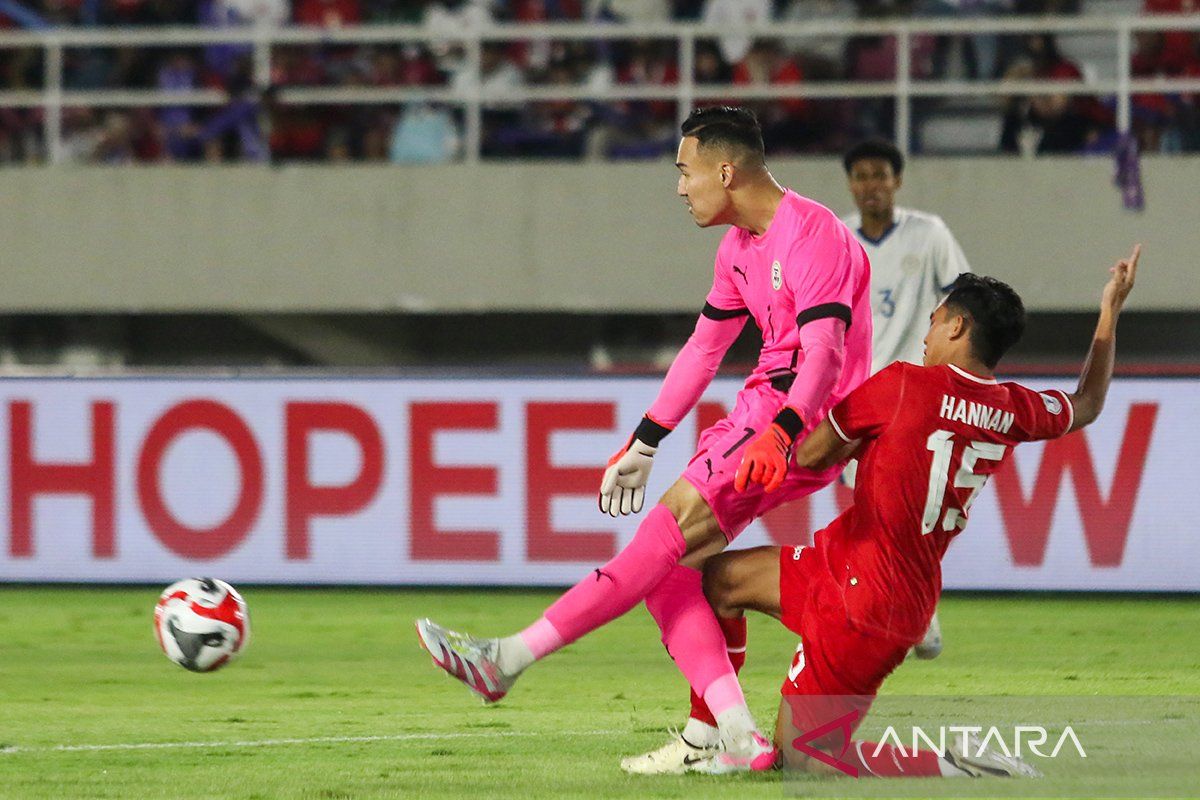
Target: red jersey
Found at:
931, 438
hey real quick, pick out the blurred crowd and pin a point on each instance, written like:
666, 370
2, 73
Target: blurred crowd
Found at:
253, 124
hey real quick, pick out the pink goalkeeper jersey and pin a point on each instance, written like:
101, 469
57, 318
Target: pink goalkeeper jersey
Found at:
806, 266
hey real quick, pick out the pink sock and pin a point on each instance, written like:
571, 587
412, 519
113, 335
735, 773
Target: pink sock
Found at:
693, 637
734, 629
611, 590
541, 638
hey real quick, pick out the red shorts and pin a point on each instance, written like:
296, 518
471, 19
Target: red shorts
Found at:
837, 670
719, 453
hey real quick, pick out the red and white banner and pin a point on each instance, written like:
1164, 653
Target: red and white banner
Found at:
494, 482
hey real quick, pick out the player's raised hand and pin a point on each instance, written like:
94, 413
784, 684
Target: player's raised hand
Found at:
623, 488
765, 460
1124, 273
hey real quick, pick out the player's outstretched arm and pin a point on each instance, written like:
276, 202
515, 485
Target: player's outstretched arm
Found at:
1088, 399
623, 485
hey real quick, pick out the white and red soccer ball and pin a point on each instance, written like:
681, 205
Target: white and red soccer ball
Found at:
202, 623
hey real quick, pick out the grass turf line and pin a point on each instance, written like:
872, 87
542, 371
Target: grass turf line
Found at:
80, 667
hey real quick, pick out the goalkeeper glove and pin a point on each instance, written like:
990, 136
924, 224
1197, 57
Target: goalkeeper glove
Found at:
766, 458
623, 488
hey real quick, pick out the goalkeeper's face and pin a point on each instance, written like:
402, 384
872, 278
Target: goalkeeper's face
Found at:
704, 178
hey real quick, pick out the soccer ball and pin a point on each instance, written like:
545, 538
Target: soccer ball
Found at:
201, 623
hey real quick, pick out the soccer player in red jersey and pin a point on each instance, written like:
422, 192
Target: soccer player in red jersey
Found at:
927, 438
793, 267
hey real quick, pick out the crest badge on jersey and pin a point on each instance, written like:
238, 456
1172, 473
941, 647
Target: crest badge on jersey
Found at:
1053, 404
776, 275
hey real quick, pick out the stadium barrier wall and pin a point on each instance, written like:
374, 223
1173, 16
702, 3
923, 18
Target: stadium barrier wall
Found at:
536, 237
398, 481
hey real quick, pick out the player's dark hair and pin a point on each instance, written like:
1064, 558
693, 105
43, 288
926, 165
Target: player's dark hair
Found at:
731, 128
874, 148
995, 311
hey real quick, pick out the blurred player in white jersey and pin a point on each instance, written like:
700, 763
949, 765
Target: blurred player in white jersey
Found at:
914, 259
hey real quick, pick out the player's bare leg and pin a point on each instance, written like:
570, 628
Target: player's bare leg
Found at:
744, 580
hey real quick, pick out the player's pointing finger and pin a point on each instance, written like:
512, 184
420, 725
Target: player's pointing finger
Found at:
1133, 260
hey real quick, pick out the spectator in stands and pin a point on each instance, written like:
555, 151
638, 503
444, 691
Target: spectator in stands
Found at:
736, 13
1154, 114
424, 135
820, 57
979, 50
261, 13
178, 74
784, 123
404, 12
498, 75
1165, 122
710, 67
629, 11
221, 61
328, 13
545, 10
1178, 47
20, 136
1056, 123
686, 10
643, 129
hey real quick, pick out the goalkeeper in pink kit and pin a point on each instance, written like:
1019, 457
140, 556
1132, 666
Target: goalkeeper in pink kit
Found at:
789, 264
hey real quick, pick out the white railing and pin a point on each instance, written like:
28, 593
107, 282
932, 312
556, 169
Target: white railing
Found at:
53, 98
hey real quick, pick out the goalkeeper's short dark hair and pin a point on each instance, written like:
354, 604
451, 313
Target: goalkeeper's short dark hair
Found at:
995, 311
874, 148
731, 128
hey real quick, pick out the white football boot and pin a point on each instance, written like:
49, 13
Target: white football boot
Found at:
673, 758
751, 753
931, 646
979, 761
472, 661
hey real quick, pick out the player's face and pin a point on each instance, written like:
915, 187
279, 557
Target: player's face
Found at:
937, 338
702, 183
874, 185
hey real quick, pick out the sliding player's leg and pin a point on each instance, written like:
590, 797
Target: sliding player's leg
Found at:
814, 734
679, 525
832, 681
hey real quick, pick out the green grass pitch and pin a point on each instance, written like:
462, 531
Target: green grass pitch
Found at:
334, 699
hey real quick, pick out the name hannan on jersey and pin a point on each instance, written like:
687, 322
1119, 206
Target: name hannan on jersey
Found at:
976, 415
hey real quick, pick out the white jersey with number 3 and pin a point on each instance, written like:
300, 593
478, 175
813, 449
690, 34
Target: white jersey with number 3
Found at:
911, 266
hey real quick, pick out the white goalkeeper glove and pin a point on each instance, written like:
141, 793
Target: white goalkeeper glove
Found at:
623, 488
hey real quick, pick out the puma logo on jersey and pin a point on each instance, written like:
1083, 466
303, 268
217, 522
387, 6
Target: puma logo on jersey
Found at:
975, 414
742, 272
776, 276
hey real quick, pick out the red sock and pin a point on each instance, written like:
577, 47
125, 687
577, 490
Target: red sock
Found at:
891, 762
734, 629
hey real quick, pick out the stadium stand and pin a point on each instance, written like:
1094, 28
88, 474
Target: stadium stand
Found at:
249, 115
